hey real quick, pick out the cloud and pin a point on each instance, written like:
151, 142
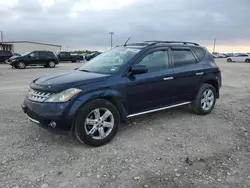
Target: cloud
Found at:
86, 23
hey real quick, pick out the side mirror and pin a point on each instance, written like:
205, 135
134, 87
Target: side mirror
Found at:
139, 69
28, 56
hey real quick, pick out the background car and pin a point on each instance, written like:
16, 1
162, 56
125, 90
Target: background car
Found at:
92, 55
239, 58
35, 58
5, 55
67, 56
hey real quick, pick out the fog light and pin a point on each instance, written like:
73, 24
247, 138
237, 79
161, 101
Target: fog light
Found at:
52, 124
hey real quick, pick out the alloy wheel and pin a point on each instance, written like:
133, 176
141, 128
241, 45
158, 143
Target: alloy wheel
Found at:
21, 65
51, 64
207, 99
99, 123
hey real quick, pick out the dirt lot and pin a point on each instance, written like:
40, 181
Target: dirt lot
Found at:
173, 148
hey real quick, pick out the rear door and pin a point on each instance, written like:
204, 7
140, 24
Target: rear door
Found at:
188, 73
43, 58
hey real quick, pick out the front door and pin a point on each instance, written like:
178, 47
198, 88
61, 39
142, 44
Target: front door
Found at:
153, 89
34, 58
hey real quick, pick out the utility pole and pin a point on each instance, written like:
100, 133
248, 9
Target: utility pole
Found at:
1, 36
214, 44
111, 38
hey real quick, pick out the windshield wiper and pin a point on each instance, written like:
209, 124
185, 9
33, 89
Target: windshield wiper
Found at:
84, 70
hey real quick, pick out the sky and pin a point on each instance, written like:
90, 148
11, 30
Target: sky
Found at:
85, 24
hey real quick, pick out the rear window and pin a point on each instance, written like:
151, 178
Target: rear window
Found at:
199, 52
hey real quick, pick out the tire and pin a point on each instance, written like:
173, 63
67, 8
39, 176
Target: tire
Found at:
247, 61
78, 61
90, 112
198, 107
229, 60
51, 64
20, 65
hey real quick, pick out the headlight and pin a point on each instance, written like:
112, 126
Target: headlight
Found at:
63, 96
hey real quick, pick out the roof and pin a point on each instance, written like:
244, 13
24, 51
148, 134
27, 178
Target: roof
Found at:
32, 43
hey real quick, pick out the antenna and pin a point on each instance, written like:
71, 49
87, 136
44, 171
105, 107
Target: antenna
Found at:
127, 41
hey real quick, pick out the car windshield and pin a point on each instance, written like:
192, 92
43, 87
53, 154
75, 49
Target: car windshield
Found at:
109, 62
26, 53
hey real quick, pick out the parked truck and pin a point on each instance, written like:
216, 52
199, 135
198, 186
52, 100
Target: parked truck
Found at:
67, 56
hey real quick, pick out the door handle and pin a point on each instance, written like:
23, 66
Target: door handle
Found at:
199, 73
168, 78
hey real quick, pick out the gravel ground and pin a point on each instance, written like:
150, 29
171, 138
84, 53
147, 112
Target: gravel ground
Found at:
172, 148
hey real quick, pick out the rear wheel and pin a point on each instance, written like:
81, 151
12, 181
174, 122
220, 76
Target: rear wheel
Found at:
51, 64
20, 65
205, 100
229, 60
97, 123
247, 61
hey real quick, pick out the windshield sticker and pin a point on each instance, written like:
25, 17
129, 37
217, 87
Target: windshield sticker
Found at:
113, 69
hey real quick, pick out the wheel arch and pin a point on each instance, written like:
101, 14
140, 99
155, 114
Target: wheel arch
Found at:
215, 84
110, 95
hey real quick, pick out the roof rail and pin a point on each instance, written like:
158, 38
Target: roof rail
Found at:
181, 42
138, 44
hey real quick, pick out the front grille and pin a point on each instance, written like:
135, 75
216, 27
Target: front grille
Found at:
38, 96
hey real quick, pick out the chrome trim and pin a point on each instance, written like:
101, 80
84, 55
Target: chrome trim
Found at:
168, 78
158, 109
199, 73
33, 120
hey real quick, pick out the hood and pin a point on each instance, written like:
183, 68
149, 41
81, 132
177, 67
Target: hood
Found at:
66, 80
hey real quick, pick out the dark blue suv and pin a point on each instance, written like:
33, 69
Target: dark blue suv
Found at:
126, 81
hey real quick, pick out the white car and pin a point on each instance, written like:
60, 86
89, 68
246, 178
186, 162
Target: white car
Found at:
239, 58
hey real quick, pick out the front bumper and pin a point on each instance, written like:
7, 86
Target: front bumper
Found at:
44, 114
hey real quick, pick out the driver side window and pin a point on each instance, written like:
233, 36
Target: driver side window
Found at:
156, 61
34, 54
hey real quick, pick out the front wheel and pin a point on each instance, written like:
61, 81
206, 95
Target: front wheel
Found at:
205, 100
247, 61
97, 123
20, 65
229, 60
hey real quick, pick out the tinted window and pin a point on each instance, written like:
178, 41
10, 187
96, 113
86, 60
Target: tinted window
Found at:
64, 54
183, 57
34, 54
43, 54
50, 54
5, 53
156, 61
199, 52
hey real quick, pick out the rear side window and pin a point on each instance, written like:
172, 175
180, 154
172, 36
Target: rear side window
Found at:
183, 57
199, 52
50, 54
43, 54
